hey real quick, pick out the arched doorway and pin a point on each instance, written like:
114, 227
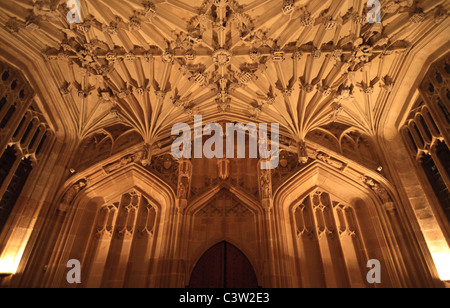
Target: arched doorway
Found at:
223, 266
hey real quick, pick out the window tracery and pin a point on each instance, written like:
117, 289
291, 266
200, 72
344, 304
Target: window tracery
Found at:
426, 131
23, 136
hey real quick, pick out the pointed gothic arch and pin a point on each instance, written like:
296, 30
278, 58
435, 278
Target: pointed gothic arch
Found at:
249, 213
330, 257
137, 227
223, 266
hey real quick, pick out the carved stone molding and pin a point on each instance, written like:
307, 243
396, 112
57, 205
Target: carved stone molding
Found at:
379, 190
71, 194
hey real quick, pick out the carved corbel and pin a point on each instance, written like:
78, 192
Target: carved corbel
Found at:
124, 161
184, 179
380, 191
302, 152
71, 194
265, 187
223, 166
331, 161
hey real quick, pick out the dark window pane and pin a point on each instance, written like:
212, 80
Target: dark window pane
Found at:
20, 127
425, 127
39, 148
38, 131
15, 187
14, 85
5, 76
431, 87
438, 184
444, 109
2, 103
6, 162
27, 132
8, 117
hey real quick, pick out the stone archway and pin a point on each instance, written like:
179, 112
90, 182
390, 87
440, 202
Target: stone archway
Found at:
223, 266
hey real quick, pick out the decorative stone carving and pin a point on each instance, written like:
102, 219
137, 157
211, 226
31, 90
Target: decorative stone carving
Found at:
393, 7
168, 57
331, 161
65, 89
12, 25
71, 193
149, 10
134, 24
337, 109
416, 15
270, 100
329, 23
316, 53
32, 24
184, 179
265, 184
223, 166
278, 56
306, 20
222, 57
440, 15
229, 208
190, 55
381, 192
112, 28
123, 162
288, 7
147, 229
302, 152
387, 84
325, 90
260, 39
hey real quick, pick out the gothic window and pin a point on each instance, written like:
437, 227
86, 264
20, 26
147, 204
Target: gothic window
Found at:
14, 189
328, 230
7, 117
427, 132
122, 228
23, 136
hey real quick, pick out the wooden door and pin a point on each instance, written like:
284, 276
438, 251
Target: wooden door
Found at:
223, 266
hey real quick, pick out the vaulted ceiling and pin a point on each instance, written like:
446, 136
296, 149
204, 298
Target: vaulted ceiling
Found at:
317, 67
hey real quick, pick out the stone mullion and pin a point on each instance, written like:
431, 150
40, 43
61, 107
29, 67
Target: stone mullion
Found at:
14, 122
28, 119
428, 142
37, 142
12, 171
331, 259
348, 237
9, 103
128, 238
441, 167
121, 245
326, 256
429, 121
30, 136
265, 192
311, 270
419, 144
438, 117
100, 250
142, 247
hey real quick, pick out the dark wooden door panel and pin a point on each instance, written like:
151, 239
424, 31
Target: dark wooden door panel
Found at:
223, 266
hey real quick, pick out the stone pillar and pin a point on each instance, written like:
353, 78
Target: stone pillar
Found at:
271, 273
177, 275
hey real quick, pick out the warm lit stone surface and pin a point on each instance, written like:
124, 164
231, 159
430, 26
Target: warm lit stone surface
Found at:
86, 115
